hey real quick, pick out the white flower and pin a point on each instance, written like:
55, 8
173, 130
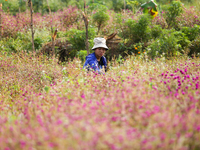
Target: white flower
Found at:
156, 52
64, 69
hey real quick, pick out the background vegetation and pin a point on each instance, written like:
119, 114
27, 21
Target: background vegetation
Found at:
172, 32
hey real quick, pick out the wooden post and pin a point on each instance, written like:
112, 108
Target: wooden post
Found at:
86, 28
86, 31
53, 41
31, 11
84, 6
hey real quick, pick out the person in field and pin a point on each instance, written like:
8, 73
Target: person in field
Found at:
96, 61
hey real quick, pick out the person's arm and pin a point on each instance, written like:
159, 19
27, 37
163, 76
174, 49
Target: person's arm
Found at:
91, 64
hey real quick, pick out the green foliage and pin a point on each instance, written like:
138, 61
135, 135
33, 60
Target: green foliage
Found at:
42, 7
38, 43
173, 10
47, 88
120, 59
82, 54
182, 39
167, 45
19, 44
78, 3
137, 1
117, 5
134, 31
138, 31
78, 37
191, 33
131, 49
54, 5
119, 23
11, 6
134, 5
101, 17
23, 41
195, 47
156, 31
96, 4
37, 5
11, 45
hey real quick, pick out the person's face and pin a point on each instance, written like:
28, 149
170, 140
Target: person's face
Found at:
100, 51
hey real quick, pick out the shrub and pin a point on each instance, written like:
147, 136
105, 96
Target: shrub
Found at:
11, 45
132, 49
173, 11
167, 45
182, 39
82, 55
137, 31
100, 18
77, 38
38, 43
156, 31
134, 5
54, 5
195, 47
10, 6
117, 5
95, 5
191, 33
78, 3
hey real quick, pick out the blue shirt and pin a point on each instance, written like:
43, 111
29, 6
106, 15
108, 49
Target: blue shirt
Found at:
92, 62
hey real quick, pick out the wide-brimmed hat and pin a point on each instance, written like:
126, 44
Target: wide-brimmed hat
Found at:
99, 42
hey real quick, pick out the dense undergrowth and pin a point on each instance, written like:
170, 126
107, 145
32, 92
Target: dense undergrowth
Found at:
140, 103
173, 32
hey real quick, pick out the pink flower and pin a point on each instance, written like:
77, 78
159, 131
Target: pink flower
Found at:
198, 128
197, 86
22, 144
83, 96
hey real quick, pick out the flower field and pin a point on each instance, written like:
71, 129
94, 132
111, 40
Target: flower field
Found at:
140, 104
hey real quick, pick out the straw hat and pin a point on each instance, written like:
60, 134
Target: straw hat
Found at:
99, 42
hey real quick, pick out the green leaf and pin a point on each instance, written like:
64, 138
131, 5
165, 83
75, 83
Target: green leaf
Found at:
47, 88
151, 84
48, 77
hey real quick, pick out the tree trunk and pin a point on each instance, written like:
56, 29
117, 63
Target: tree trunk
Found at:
86, 31
53, 42
31, 11
87, 44
99, 27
